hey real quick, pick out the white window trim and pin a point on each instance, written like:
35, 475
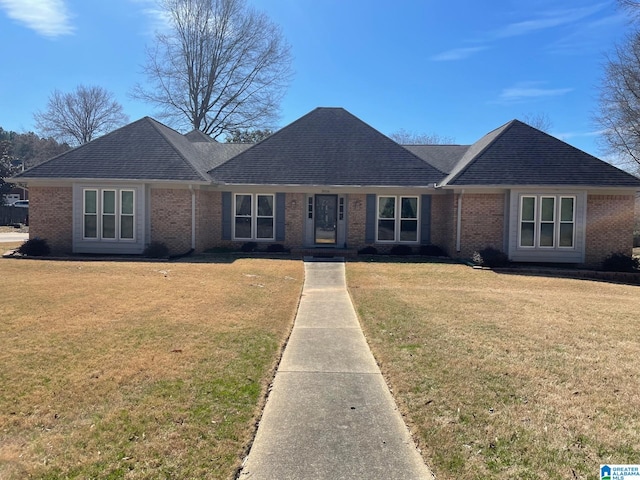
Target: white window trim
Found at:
254, 217
100, 213
397, 218
557, 221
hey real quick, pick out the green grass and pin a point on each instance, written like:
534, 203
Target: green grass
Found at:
505, 376
137, 370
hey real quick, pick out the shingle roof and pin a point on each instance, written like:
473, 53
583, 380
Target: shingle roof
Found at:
328, 146
442, 157
518, 154
142, 150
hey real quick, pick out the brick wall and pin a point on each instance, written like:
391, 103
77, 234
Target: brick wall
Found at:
295, 210
51, 216
170, 212
208, 219
443, 214
357, 219
609, 226
482, 222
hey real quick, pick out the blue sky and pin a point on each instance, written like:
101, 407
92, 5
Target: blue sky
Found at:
457, 69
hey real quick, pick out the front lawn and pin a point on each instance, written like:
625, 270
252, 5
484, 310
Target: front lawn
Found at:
506, 376
137, 369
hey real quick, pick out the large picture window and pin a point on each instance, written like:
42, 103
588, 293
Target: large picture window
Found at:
108, 214
397, 219
254, 217
547, 221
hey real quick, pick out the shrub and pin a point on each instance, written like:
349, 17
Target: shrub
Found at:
249, 247
636, 239
619, 262
35, 247
490, 257
156, 250
401, 250
276, 248
432, 251
368, 251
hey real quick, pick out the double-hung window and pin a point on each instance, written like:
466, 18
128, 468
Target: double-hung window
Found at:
547, 221
254, 216
397, 219
108, 214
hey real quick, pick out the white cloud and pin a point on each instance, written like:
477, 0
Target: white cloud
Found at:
549, 19
542, 21
158, 19
525, 91
457, 54
568, 135
49, 18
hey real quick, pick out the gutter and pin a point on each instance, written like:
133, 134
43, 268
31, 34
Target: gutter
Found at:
459, 222
193, 217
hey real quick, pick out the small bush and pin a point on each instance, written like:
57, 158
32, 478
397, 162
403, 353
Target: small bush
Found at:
619, 262
401, 250
432, 251
490, 257
156, 250
276, 248
368, 251
636, 239
249, 247
35, 247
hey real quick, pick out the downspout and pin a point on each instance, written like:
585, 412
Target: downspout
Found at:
193, 217
459, 222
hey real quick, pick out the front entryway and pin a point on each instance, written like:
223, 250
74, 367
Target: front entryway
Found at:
325, 219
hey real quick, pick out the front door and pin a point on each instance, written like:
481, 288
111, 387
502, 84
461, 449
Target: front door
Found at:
325, 219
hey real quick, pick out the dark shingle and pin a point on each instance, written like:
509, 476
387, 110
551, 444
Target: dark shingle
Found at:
142, 150
328, 146
442, 157
518, 154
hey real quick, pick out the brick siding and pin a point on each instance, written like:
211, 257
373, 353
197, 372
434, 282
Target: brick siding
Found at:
51, 216
443, 215
609, 226
208, 219
356, 220
295, 210
170, 212
482, 222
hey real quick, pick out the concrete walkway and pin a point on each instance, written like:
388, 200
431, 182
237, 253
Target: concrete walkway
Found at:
11, 237
330, 414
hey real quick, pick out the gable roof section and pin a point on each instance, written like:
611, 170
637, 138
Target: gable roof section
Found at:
328, 146
442, 157
518, 154
142, 150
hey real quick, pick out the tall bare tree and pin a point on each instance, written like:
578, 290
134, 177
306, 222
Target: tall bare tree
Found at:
80, 116
406, 137
221, 67
619, 112
541, 121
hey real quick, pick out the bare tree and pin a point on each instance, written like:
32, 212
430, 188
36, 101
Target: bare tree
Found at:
541, 121
80, 116
619, 112
222, 67
248, 136
405, 137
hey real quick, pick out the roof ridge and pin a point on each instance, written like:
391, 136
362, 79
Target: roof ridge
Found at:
464, 164
78, 147
156, 124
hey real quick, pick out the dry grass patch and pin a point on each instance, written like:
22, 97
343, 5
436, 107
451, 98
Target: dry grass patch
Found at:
137, 370
505, 376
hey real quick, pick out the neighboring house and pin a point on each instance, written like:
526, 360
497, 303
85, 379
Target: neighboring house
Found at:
328, 180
